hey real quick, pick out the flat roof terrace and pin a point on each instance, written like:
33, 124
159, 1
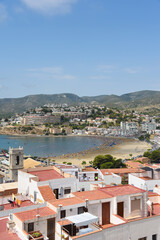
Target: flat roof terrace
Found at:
45, 175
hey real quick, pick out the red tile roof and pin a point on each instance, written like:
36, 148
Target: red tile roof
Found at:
45, 175
67, 201
120, 170
31, 214
152, 194
92, 195
156, 209
23, 204
47, 193
4, 234
133, 164
89, 169
121, 190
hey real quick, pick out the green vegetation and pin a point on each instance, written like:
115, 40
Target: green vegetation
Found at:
107, 161
36, 234
154, 155
83, 163
145, 137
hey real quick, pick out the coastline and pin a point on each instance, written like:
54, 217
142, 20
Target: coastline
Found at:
118, 147
121, 149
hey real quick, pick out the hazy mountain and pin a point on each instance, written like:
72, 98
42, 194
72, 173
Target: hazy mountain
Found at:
135, 99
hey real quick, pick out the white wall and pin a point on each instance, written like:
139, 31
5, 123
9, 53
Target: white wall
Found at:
133, 230
143, 184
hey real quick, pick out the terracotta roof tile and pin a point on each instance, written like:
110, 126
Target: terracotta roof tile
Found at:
67, 201
120, 170
4, 234
46, 193
31, 214
92, 195
121, 190
45, 175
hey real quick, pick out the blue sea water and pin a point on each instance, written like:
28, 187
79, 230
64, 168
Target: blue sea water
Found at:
42, 146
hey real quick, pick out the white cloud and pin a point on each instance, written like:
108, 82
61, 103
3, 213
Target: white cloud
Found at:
50, 6
52, 70
99, 77
54, 73
3, 12
131, 70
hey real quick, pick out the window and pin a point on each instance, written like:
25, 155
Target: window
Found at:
30, 227
83, 189
17, 160
154, 237
144, 238
63, 214
80, 210
67, 190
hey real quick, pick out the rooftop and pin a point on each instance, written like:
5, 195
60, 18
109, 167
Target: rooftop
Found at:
46, 193
30, 163
32, 214
120, 170
4, 233
121, 190
92, 195
67, 201
89, 169
23, 204
45, 175
8, 186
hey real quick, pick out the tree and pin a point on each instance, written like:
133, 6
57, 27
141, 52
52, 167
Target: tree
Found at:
84, 163
100, 159
107, 165
119, 164
147, 154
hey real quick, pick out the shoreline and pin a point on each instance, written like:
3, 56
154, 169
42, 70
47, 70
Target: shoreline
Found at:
118, 147
121, 149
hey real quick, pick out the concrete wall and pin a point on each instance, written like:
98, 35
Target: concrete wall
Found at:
134, 230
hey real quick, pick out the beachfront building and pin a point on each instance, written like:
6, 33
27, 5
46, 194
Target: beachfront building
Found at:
39, 119
129, 128
148, 126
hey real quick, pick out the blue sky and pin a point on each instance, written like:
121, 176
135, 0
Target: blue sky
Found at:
86, 47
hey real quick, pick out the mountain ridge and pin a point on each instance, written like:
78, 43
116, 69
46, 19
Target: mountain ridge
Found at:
127, 100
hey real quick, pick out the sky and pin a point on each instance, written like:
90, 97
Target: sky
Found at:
85, 47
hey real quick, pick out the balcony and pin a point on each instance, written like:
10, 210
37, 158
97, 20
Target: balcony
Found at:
79, 225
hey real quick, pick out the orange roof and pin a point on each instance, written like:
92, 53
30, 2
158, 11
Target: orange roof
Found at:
156, 209
121, 190
46, 193
152, 194
45, 175
89, 169
4, 233
92, 195
31, 214
120, 170
133, 164
23, 204
67, 201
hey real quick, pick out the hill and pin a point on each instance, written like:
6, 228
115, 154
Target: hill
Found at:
129, 100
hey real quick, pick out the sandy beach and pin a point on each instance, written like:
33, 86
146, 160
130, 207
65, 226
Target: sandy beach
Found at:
118, 147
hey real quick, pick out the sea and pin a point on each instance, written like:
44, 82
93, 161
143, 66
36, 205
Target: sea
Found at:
49, 146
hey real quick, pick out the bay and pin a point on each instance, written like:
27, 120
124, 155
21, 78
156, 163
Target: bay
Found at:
42, 146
